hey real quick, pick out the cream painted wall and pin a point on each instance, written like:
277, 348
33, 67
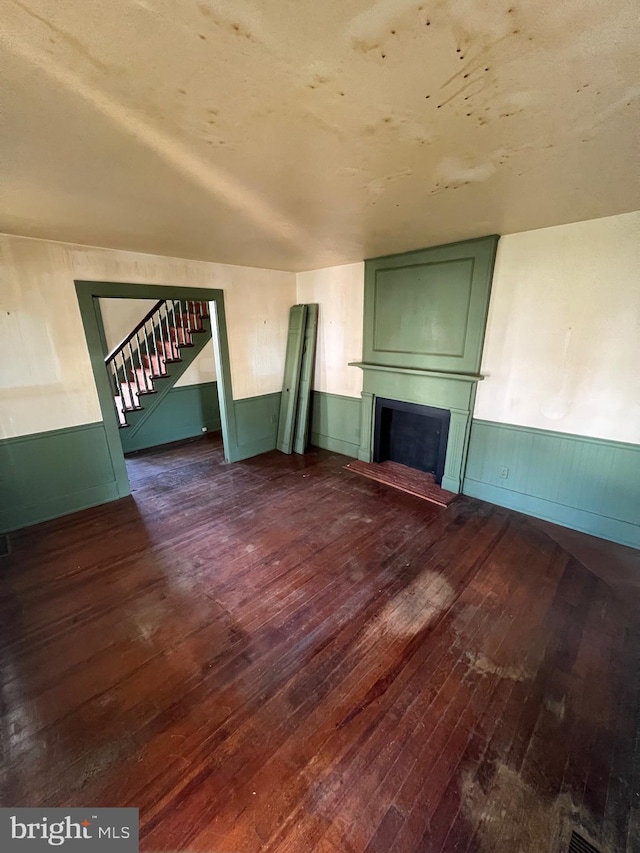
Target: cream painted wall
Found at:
120, 316
562, 350
339, 291
46, 380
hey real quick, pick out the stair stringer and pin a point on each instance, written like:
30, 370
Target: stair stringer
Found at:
164, 384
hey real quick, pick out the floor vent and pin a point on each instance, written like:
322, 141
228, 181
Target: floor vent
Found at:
578, 844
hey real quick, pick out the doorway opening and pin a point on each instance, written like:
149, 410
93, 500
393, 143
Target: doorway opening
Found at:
141, 402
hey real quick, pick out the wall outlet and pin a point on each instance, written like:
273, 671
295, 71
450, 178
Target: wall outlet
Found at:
273, 419
504, 472
204, 429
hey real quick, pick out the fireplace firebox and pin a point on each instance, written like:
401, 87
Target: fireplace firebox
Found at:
412, 435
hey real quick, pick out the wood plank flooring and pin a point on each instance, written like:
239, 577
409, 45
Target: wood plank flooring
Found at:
279, 655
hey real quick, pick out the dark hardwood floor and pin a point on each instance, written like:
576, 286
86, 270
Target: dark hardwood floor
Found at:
279, 655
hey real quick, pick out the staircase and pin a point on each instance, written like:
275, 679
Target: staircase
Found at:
144, 357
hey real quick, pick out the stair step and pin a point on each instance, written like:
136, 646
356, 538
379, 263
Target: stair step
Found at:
122, 420
195, 321
155, 365
180, 335
128, 396
142, 381
168, 349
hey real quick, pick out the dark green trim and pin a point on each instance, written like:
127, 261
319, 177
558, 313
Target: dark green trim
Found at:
125, 290
101, 331
335, 423
91, 320
415, 371
183, 413
223, 377
459, 244
588, 484
48, 474
88, 293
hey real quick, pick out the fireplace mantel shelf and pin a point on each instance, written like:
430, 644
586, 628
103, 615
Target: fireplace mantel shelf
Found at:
416, 371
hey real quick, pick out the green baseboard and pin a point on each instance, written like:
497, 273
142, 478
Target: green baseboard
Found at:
48, 474
335, 423
256, 426
588, 484
586, 522
335, 445
181, 414
252, 448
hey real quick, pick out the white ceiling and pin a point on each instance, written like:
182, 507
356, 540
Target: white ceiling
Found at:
297, 134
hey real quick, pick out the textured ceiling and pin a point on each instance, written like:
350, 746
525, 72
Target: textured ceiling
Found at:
296, 134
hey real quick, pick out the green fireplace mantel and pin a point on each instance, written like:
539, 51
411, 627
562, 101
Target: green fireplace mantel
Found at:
425, 316
428, 388
442, 374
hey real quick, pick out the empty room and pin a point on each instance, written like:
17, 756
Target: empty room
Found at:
320, 426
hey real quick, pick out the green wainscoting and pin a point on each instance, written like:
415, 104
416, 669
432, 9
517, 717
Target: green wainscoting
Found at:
49, 474
335, 423
256, 426
584, 483
180, 414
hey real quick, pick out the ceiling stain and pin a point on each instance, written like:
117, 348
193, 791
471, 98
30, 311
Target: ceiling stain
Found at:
452, 170
477, 83
70, 40
378, 186
239, 20
474, 64
301, 97
368, 30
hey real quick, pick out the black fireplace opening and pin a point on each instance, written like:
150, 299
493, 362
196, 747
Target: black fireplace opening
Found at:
412, 435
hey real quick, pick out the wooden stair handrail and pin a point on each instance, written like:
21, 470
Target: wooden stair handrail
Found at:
123, 343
